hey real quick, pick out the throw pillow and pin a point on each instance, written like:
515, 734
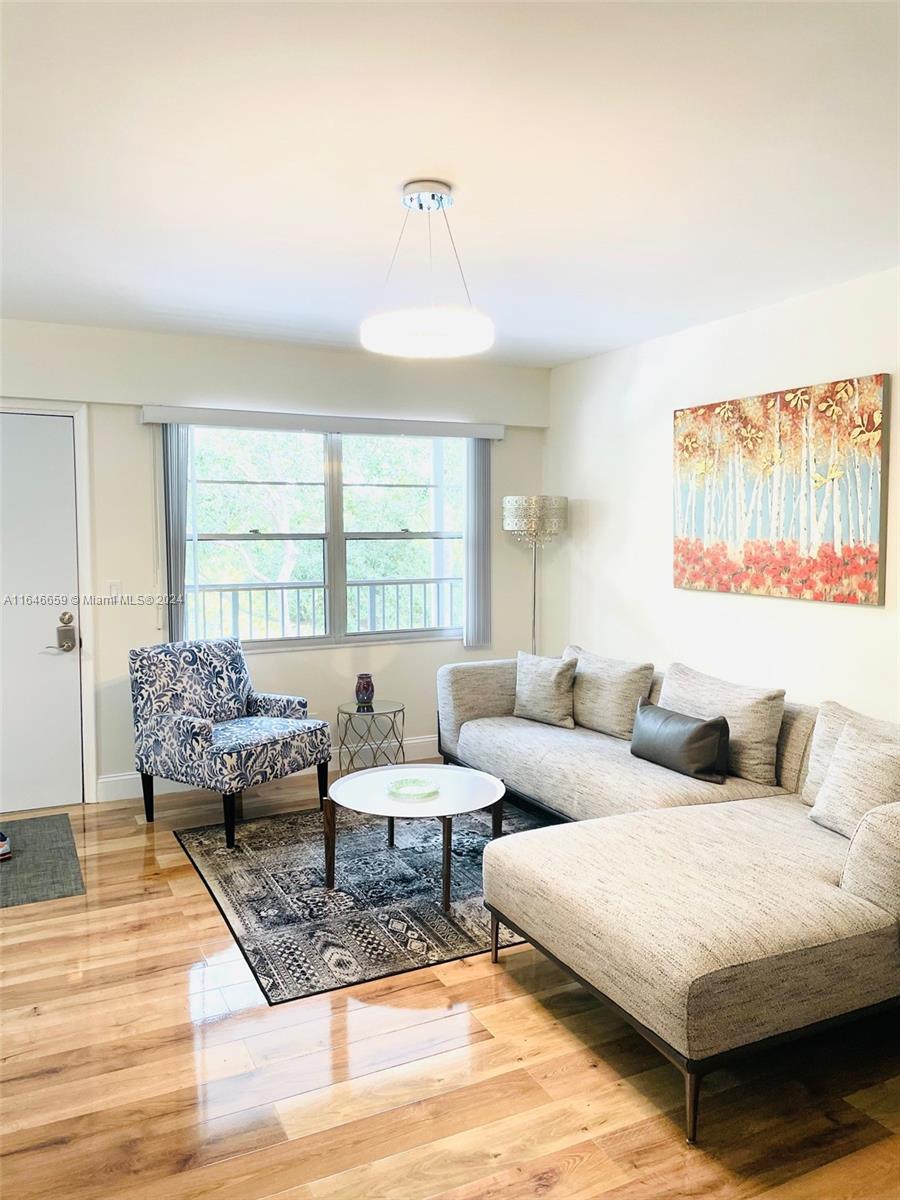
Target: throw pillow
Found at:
607, 691
872, 866
863, 774
830, 723
681, 743
753, 715
544, 689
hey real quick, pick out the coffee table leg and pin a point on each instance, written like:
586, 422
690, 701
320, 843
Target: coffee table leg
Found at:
328, 821
497, 819
447, 823
391, 833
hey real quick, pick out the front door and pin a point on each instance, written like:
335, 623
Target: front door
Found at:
40, 684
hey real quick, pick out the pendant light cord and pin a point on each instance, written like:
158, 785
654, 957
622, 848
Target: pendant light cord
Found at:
387, 278
456, 255
462, 276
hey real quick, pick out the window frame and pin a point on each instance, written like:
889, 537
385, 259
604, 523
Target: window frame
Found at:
335, 541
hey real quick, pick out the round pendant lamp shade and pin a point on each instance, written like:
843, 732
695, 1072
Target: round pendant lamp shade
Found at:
441, 331
428, 330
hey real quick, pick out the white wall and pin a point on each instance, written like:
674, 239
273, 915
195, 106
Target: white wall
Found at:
115, 371
125, 366
608, 586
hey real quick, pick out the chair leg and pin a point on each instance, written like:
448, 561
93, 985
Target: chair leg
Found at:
322, 778
229, 803
147, 788
691, 1105
495, 938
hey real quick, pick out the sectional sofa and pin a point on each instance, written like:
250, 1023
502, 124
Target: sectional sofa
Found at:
714, 918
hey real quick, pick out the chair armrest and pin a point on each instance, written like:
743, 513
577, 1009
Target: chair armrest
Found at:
872, 866
470, 690
190, 735
270, 704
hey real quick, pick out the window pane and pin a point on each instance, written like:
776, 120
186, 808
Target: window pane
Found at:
388, 509
403, 484
401, 558
380, 459
267, 508
286, 456
401, 584
256, 589
259, 562
256, 613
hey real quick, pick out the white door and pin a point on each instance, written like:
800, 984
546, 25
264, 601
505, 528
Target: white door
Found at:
40, 685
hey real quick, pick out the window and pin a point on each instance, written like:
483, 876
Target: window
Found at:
309, 535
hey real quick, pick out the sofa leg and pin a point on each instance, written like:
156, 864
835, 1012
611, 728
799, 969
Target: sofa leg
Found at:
495, 938
691, 1104
229, 803
322, 777
147, 788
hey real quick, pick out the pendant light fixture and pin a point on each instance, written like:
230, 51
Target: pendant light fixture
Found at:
428, 330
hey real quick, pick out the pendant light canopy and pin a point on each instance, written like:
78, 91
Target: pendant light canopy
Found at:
428, 330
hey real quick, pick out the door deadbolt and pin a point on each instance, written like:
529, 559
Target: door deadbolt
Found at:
66, 638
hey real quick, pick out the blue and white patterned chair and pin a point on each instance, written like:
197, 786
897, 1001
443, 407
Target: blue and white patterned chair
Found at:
197, 720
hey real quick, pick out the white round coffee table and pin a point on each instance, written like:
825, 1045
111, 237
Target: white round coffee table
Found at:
459, 790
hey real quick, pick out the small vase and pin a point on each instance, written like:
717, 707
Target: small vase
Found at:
365, 690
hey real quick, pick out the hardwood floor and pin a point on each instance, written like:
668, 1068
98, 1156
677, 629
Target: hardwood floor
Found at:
141, 1062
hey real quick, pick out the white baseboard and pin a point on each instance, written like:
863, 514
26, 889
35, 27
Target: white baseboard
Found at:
127, 784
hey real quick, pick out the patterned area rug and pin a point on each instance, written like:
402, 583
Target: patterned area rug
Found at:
384, 915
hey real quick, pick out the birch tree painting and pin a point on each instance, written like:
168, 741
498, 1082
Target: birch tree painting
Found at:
780, 495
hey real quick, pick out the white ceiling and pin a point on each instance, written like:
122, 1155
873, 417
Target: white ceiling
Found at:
622, 170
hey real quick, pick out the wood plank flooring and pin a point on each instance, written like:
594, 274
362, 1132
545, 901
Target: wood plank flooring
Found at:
141, 1062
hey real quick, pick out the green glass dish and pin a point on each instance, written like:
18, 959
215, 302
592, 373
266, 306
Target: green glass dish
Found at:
412, 789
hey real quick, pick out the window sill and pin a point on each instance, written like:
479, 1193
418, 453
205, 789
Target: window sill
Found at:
391, 638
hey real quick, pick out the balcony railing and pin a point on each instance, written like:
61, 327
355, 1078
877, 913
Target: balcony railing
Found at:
257, 612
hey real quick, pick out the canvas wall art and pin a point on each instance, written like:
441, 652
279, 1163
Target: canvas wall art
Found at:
782, 494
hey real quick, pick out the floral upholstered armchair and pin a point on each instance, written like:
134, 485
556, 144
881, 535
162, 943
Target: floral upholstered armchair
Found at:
197, 720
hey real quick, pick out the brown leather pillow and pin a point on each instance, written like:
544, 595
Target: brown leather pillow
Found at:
680, 743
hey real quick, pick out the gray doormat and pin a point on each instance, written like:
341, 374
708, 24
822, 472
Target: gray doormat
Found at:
44, 863
384, 915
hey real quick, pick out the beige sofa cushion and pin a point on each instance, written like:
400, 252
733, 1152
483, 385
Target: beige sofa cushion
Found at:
713, 926
830, 724
754, 716
794, 739
544, 689
584, 774
607, 691
863, 773
872, 867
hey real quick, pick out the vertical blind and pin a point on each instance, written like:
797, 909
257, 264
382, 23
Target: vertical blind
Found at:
477, 544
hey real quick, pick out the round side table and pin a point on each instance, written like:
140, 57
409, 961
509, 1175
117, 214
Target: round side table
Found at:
370, 735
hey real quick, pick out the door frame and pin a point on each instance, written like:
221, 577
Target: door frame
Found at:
87, 650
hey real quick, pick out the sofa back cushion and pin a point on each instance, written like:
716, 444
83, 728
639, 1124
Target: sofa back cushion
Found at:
544, 690
754, 717
607, 691
864, 773
830, 722
794, 739
872, 866
194, 679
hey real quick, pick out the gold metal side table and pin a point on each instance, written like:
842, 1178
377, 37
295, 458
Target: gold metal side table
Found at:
370, 735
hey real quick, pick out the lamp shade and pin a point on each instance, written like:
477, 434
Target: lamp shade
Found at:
435, 331
535, 518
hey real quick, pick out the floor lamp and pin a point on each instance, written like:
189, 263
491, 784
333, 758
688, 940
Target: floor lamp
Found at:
534, 520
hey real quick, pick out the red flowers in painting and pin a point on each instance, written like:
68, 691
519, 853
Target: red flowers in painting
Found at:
848, 577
